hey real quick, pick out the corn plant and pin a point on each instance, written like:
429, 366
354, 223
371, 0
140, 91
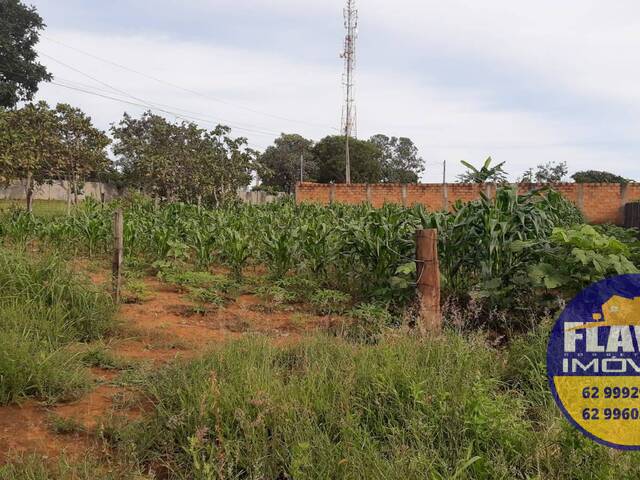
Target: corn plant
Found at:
20, 226
235, 249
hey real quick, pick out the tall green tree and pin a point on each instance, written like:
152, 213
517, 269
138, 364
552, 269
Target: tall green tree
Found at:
83, 149
145, 148
400, 160
20, 72
365, 159
280, 163
228, 166
180, 161
30, 146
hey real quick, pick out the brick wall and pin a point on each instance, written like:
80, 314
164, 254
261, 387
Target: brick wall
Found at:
599, 202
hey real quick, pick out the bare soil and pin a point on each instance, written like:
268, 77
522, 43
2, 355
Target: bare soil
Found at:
155, 331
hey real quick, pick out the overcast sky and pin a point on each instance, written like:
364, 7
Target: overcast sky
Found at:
524, 82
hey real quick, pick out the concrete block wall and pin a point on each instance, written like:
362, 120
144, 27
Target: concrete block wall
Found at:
58, 191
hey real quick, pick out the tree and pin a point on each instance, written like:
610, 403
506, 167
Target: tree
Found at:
83, 149
144, 150
597, 176
550, 172
329, 157
400, 161
20, 73
30, 146
180, 161
227, 167
280, 163
484, 174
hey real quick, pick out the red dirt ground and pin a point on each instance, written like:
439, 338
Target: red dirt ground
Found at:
156, 331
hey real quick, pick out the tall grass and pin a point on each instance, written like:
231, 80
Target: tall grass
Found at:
404, 408
43, 309
36, 467
561, 452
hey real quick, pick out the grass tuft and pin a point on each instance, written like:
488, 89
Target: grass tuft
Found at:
44, 309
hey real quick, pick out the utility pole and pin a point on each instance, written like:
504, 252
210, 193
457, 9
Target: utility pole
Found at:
301, 168
349, 56
445, 193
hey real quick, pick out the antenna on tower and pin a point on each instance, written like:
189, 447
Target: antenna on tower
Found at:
349, 56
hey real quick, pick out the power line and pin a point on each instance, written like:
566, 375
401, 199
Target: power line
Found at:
169, 112
153, 105
136, 104
93, 88
188, 90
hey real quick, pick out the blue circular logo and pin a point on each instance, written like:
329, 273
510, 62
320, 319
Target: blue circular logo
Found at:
593, 361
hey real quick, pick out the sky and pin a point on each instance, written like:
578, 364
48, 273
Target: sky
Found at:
523, 82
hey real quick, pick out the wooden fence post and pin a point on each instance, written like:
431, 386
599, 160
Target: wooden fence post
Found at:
428, 280
118, 247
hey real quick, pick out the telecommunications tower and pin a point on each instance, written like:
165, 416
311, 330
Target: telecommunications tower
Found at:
349, 55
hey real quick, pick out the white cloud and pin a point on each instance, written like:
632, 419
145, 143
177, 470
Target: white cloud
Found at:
584, 48
587, 46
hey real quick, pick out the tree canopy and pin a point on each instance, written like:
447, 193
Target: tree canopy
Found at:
83, 155
400, 161
180, 161
280, 163
329, 156
39, 144
20, 73
550, 172
379, 159
597, 176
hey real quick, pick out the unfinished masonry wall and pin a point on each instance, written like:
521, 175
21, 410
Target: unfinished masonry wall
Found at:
599, 202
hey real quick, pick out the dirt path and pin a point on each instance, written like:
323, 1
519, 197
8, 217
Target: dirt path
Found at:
155, 331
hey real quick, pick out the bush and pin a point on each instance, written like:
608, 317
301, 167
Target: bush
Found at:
576, 257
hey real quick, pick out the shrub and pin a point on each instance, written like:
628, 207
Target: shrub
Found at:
576, 257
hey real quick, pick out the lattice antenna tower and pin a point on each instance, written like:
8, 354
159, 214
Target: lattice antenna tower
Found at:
349, 125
